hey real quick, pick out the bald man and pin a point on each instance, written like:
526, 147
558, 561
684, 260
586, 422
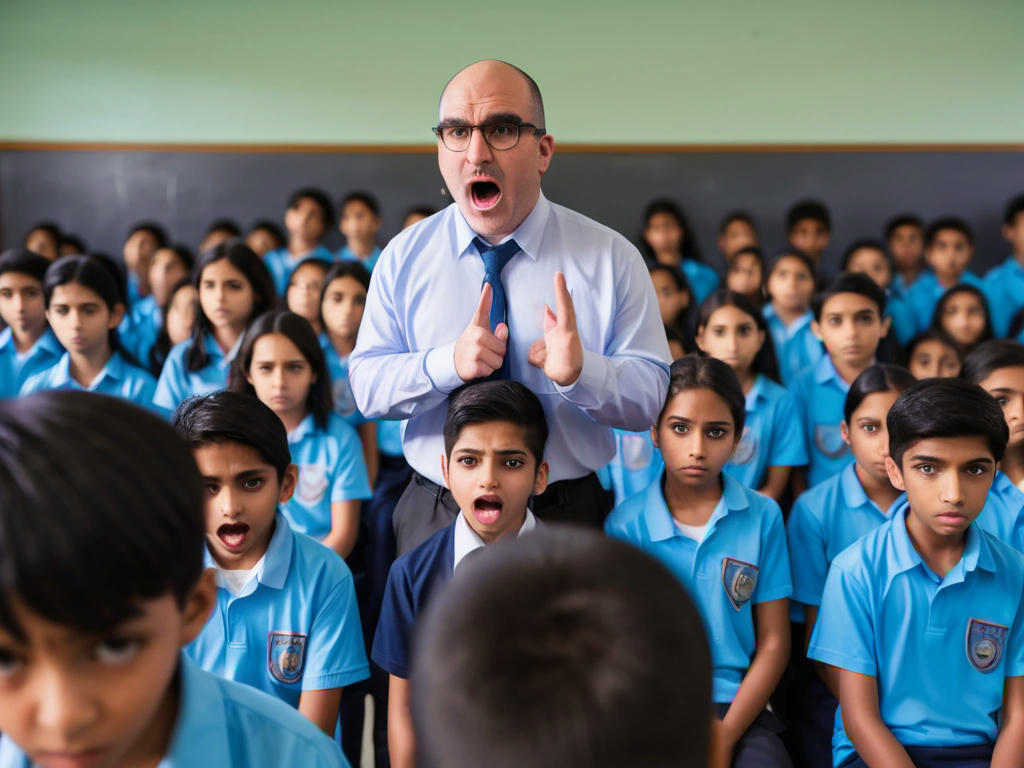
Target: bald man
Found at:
505, 283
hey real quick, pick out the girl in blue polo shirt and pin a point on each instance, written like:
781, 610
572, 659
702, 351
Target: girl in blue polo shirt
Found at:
84, 305
963, 313
234, 286
727, 545
731, 329
668, 239
789, 285
281, 363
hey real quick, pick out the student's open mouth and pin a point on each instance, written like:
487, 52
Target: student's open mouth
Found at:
485, 194
232, 535
487, 509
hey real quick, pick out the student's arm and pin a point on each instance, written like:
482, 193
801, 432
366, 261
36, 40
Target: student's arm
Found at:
775, 484
829, 675
344, 527
321, 708
798, 481
875, 744
368, 436
401, 739
1009, 749
764, 673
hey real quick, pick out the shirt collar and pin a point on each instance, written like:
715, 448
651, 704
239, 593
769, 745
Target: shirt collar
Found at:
905, 556
789, 331
201, 731
45, 343
527, 235
276, 560
660, 524
216, 354
754, 394
114, 369
854, 494
306, 426
825, 371
466, 540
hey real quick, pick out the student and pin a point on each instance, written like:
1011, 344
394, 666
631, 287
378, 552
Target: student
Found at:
904, 235
668, 239
826, 520
997, 366
286, 620
233, 286
417, 214
732, 330
179, 321
736, 232
963, 313
306, 219
676, 304
1004, 284
71, 245
84, 305
896, 601
27, 345
281, 363
809, 227
933, 353
494, 435
541, 625
144, 239
745, 274
871, 258
360, 223
948, 247
304, 289
849, 318
219, 231
264, 236
789, 284
140, 328
44, 239
727, 545
101, 585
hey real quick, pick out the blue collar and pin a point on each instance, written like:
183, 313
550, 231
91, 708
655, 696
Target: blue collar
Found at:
905, 556
659, 521
201, 730
825, 371
306, 427
528, 235
216, 354
773, 317
855, 495
276, 560
114, 369
45, 343
755, 394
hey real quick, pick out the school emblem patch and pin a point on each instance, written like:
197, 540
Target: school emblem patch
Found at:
985, 644
286, 656
739, 580
828, 439
312, 484
745, 449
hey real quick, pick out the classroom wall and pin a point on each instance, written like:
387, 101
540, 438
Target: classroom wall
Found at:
322, 71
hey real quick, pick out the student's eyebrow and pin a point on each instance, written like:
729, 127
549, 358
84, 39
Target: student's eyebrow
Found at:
251, 473
1008, 390
685, 420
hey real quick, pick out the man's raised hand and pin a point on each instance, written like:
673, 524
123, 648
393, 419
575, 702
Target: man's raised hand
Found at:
478, 351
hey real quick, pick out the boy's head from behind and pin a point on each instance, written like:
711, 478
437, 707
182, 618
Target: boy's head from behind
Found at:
809, 226
849, 318
948, 247
100, 575
494, 436
308, 215
241, 448
542, 655
22, 305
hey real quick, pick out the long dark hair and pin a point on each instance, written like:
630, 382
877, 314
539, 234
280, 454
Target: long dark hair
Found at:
688, 248
765, 362
162, 346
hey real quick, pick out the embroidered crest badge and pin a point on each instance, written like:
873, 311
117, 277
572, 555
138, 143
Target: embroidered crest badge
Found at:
985, 642
745, 448
828, 439
286, 656
739, 580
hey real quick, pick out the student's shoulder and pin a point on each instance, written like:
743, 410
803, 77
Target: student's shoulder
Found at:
38, 381
313, 564
626, 519
426, 558
868, 557
339, 429
176, 355
1007, 561
741, 497
817, 500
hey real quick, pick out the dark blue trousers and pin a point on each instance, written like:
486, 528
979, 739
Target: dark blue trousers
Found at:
760, 746
970, 756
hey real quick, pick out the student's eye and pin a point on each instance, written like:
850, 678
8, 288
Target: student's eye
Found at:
467, 461
6, 294
719, 332
116, 650
870, 427
233, 285
296, 367
10, 663
213, 488
514, 463
835, 321
252, 483
746, 330
716, 433
926, 469
977, 470
33, 292
207, 285
360, 301
264, 367
61, 311
680, 429
1003, 401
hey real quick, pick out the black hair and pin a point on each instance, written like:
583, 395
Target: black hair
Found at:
987, 332
483, 402
683, 324
72, 241
945, 408
815, 210
875, 378
24, 262
245, 260
270, 227
903, 220
990, 356
765, 362
1013, 209
102, 507
162, 346
300, 333
539, 653
159, 233
697, 371
425, 211
228, 226
953, 223
360, 196
850, 282
732, 216
233, 417
790, 253
688, 248
185, 255
748, 250
49, 227
313, 261
869, 243
931, 334
319, 197
348, 268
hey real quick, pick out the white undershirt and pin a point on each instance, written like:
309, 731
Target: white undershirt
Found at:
235, 581
466, 539
695, 532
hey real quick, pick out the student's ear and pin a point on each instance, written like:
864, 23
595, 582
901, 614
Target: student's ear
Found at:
116, 315
444, 471
844, 430
886, 324
199, 604
288, 483
654, 436
816, 329
894, 473
760, 339
699, 338
540, 479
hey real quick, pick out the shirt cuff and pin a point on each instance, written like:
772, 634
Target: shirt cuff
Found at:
440, 367
586, 391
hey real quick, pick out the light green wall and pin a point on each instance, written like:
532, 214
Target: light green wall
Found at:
731, 71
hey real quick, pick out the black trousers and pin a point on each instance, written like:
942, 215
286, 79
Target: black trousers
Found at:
970, 756
426, 507
760, 745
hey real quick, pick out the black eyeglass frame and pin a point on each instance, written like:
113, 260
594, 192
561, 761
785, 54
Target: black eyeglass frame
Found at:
438, 131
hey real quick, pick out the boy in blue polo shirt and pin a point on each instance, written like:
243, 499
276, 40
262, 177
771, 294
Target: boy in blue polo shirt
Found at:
27, 345
923, 616
101, 584
494, 437
360, 222
948, 248
306, 219
1004, 284
849, 318
286, 619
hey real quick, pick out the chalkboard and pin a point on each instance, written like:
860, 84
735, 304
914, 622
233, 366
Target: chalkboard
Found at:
97, 194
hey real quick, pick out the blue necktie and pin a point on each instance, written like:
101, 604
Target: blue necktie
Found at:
495, 257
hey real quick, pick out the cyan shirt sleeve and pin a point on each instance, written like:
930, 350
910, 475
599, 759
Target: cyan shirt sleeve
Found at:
1000, 309
773, 581
34, 383
808, 553
393, 639
171, 387
844, 633
336, 656
351, 483
788, 446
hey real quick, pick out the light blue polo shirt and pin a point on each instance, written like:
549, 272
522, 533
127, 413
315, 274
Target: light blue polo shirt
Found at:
796, 346
824, 521
820, 394
903, 323
636, 464
926, 291
347, 254
341, 391
282, 263
177, 383
703, 279
773, 435
1003, 512
118, 378
331, 468
15, 369
940, 649
742, 561
139, 329
294, 627
1004, 287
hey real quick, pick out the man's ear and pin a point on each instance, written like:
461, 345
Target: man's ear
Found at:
199, 605
895, 474
289, 483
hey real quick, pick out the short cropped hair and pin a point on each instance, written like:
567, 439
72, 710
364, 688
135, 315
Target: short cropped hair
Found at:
152, 228
945, 408
482, 402
562, 648
850, 282
790, 253
227, 226
361, 196
947, 223
903, 220
319, 197
866, 243
1014, 208
697, 371
24, 262
101, 508
732, 216
808, 209
990, 356
233, 417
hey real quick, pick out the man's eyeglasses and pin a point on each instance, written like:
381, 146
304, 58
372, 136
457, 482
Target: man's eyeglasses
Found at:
499, 136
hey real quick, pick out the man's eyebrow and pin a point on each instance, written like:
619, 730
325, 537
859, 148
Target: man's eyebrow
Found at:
498, 117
